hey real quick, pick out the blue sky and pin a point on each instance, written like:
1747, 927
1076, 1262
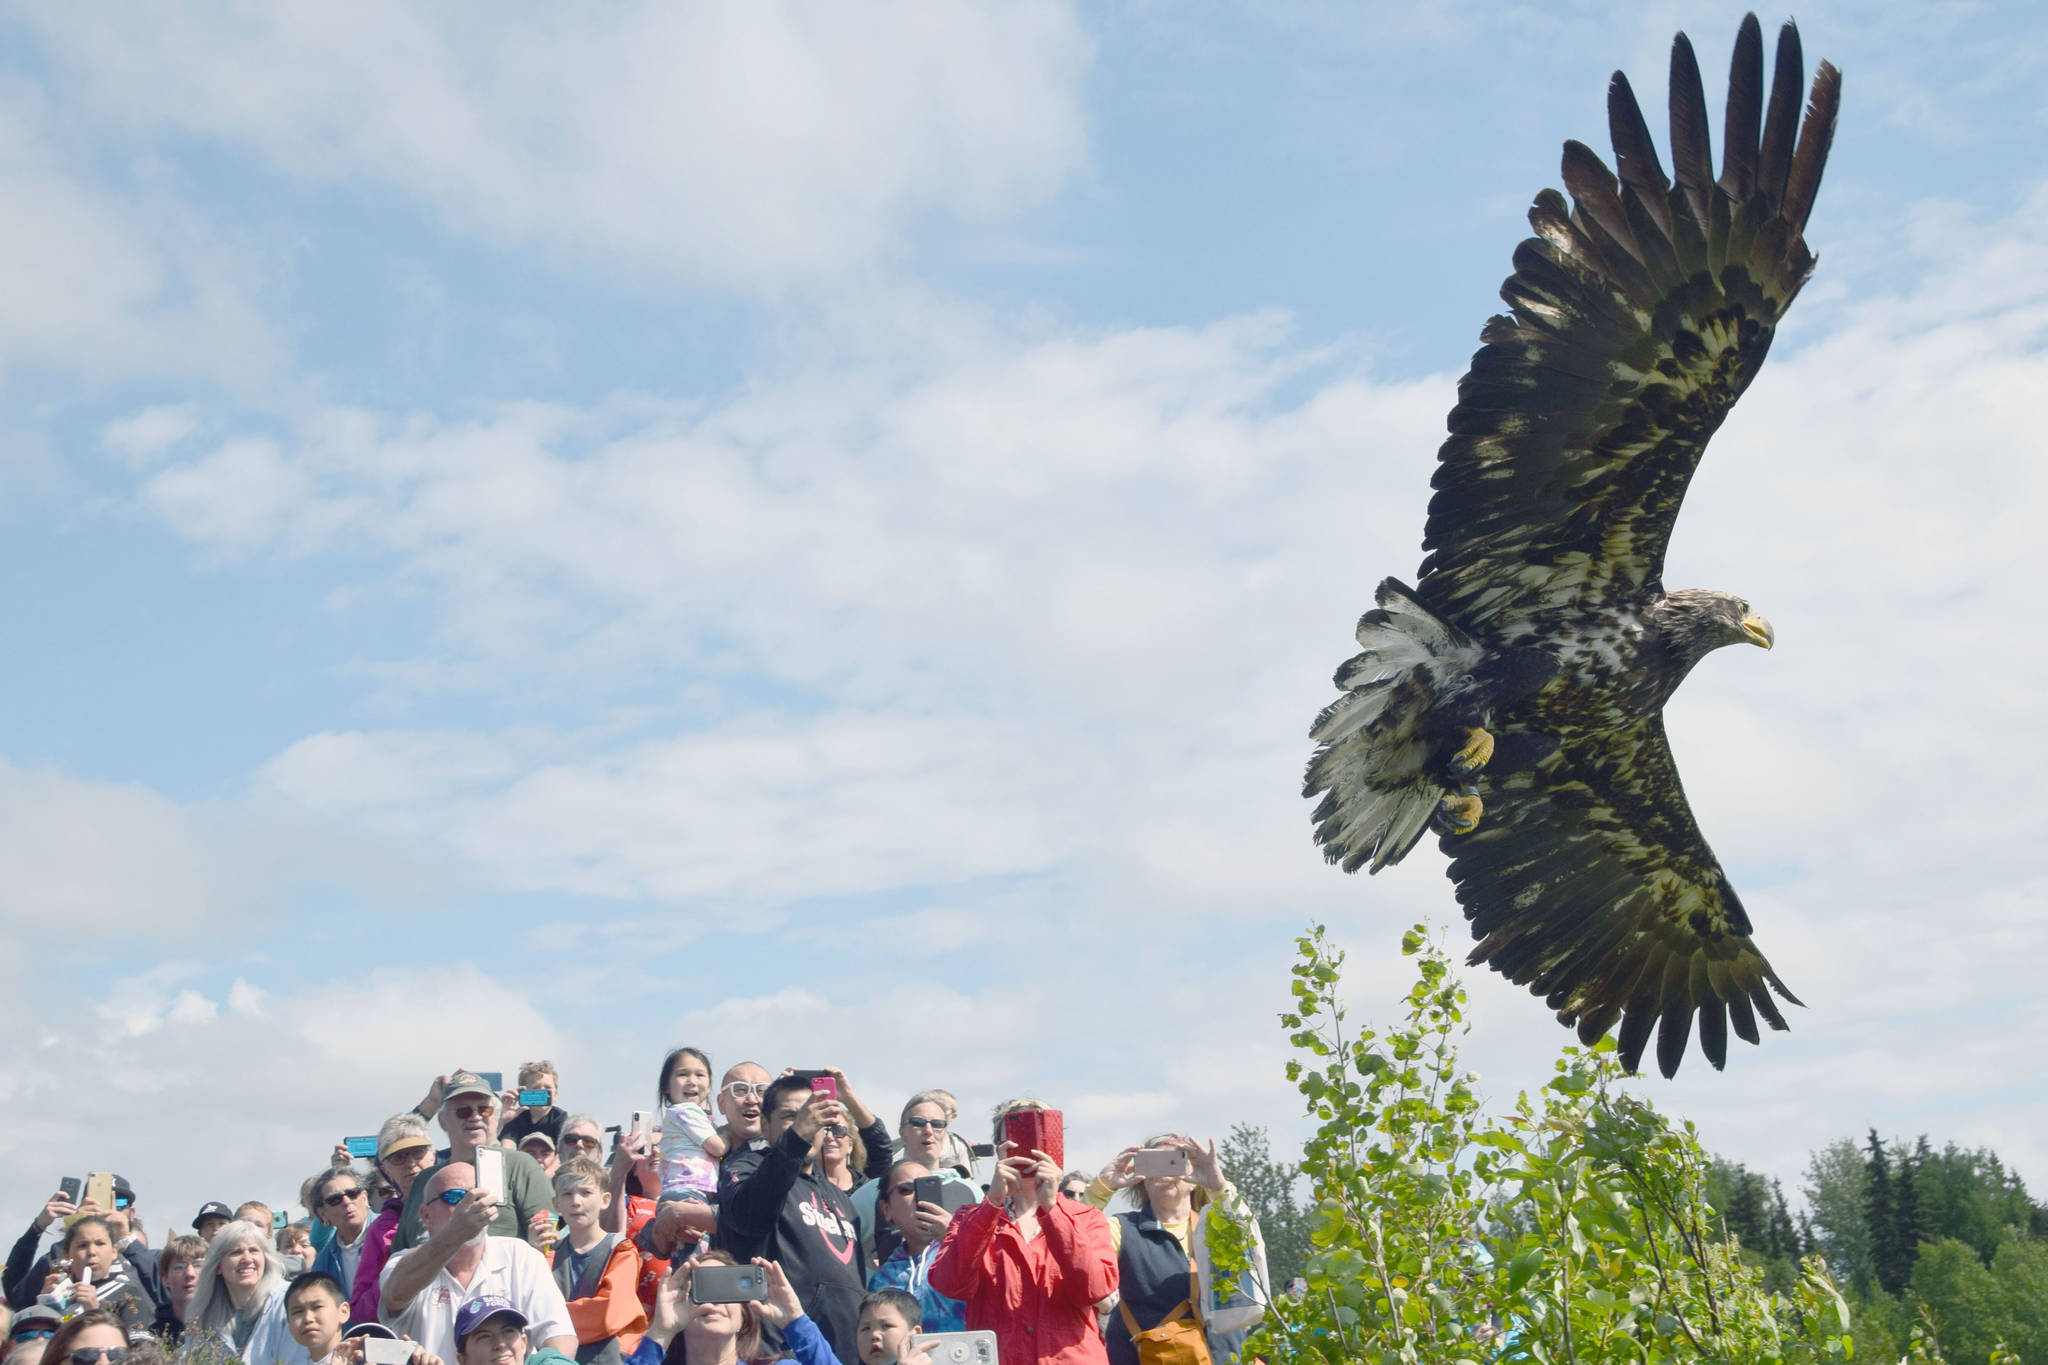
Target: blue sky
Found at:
821, 537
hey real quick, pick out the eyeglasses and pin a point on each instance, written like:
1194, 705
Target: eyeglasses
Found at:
91, 1355
744, 1090
340, 1197
578, 1140
936, 1125
452, 1197
475, 1111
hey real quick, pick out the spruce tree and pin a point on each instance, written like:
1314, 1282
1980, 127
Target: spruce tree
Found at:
1887, 1265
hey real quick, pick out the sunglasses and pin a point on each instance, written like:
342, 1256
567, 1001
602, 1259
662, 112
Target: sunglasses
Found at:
33, 1333
838, 1130
578, 1140
936, 1125
452, 1197
91, 1355
745, 1090
907, 1187
340, 1197
475, 1111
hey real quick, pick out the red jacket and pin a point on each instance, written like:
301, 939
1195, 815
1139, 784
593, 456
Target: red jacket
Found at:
1037, 1296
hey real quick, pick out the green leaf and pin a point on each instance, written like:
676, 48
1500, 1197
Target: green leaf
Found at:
1523, 1267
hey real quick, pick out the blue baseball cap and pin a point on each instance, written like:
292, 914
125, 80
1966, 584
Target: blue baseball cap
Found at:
472, 1314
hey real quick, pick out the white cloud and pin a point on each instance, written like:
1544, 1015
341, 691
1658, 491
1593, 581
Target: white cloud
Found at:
112, 284
150, 434
733, 145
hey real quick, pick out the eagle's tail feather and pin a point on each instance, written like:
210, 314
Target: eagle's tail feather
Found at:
1373, 763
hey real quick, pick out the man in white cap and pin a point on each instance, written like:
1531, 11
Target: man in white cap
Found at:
425, 1288
469, 1115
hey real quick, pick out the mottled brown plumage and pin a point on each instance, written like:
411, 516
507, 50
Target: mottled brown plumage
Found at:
1638, 315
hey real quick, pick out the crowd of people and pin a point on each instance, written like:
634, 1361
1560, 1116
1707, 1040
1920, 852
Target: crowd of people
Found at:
755, 1218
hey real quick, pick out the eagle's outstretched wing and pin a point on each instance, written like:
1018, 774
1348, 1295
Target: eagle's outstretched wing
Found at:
1589, 883
1640, 315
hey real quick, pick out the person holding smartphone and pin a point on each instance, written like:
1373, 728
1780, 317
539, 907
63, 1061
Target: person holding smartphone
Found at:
1176, 1182
1028, 1264
778, 1200
425, 1286
468, 1112
912, 1205
536, 1111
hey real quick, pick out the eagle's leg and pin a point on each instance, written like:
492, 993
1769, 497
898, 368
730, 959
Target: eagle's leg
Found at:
1460, 814
1476, 753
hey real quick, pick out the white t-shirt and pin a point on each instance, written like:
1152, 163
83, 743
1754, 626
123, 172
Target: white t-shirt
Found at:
510, 1268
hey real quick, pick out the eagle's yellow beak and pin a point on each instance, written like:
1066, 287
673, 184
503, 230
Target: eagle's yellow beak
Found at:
1758, 630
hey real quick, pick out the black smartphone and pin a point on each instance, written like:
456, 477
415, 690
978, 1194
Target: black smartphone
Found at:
982, 1149
808, 1076
535, 1099
728, 1284
70, 1187
929, 1188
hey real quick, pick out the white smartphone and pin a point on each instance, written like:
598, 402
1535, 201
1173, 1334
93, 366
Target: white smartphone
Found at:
960, 1348
385, 1351
1159, 1161
490, 1172
643, 1126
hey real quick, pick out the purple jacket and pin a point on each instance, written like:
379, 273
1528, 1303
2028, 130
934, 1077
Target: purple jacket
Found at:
362, 1297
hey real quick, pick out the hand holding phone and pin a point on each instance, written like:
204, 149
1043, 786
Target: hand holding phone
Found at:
1037, 1130
99, 1192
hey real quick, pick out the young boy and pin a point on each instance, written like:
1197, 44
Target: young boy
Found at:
596, 1271
314, 1310
888, 1318
535, 1118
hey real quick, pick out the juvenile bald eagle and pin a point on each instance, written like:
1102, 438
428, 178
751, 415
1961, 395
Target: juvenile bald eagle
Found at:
1513, 698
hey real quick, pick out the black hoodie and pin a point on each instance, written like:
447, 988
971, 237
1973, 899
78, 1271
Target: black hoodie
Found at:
769, 1206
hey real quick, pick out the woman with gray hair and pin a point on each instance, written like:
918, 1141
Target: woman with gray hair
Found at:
404, 1149
240, 1303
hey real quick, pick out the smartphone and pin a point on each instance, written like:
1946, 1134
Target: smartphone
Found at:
361, 1146
826, 1086
1037, 1130
71, 1187
1148, 1161
494, 1079
279, 1220
385, 1351
490, 1171
643, 1128
728, 1284
982, 1149
99, 1188
961, 1348
929, 1188
536, 1099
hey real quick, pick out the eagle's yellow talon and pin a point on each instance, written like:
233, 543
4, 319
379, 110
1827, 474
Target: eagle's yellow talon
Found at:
1460, 814
1476, 754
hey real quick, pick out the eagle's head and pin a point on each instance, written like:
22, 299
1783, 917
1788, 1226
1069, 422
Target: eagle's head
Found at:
1696, 621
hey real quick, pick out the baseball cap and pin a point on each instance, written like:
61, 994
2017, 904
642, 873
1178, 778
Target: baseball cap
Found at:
538, 1136
38, 1318
368, 1329
123, 1190
466, 1083
473, 1313
212, 1209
